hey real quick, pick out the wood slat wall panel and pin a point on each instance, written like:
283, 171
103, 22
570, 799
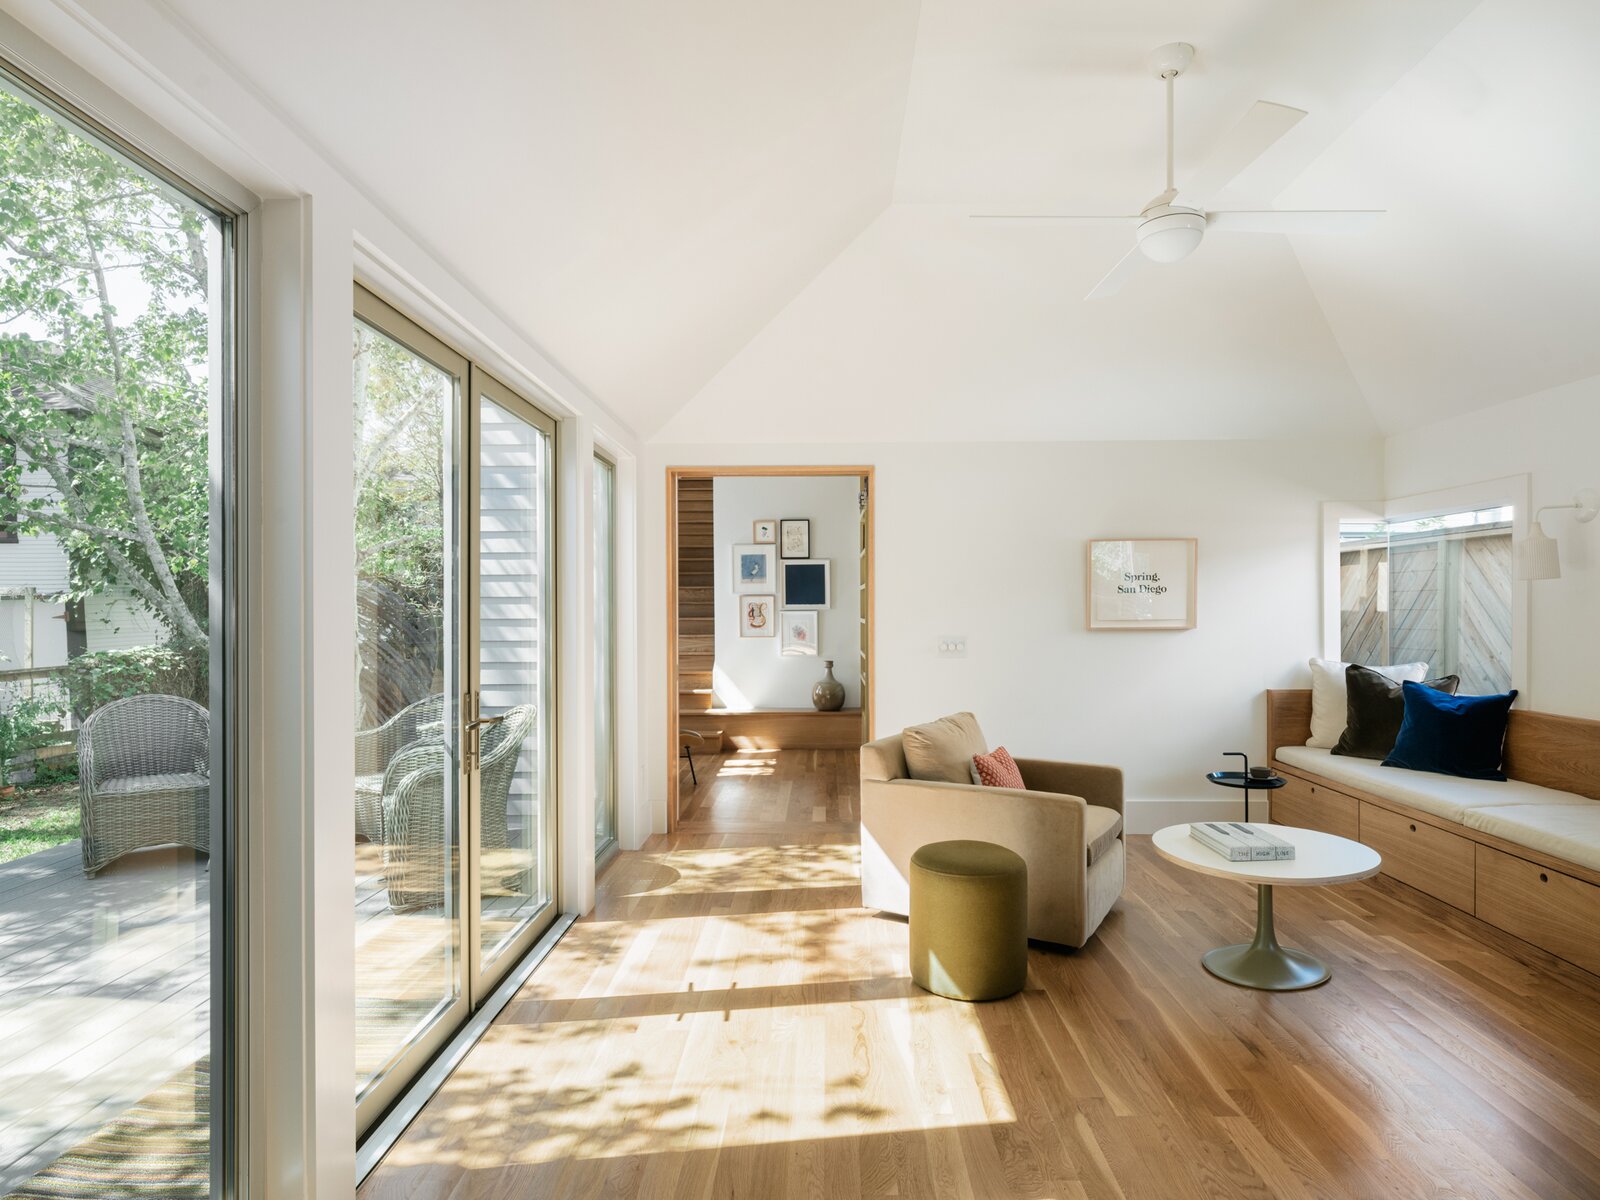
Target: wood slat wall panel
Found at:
696, 598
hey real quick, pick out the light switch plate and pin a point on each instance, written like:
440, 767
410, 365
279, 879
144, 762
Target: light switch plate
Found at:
953, 645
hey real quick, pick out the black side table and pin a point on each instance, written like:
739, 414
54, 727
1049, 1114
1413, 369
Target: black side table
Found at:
1242, 779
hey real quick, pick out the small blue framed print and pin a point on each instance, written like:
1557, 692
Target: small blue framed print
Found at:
752, 568
807, 583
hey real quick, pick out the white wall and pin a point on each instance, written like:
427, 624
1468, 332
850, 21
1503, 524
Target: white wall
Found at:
988, 541
1551, 436
751, 673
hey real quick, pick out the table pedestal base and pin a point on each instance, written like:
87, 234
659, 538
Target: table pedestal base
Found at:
1263, 963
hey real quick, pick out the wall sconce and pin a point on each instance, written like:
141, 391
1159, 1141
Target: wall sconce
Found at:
1538, 554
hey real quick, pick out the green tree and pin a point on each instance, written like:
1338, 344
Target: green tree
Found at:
401, 404
103, 367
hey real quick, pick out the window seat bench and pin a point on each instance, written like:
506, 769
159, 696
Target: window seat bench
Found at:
1522, 855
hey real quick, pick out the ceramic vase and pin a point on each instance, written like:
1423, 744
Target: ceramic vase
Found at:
827, 694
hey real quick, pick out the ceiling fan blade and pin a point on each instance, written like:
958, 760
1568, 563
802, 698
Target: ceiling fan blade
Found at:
1129, 265
1093, 218
1311, 221
1247, 141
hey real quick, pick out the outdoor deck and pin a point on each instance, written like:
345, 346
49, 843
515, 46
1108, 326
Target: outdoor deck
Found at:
105, 988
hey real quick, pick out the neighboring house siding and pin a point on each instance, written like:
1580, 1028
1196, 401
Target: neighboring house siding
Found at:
116, 619
512, 589
33, 561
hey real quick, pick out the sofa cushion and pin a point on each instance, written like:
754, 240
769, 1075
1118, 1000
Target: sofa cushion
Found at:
942, 751
1452, 735
1569, 831
1329, 706
1101, 828
997, 769
1446, 796
1376, 709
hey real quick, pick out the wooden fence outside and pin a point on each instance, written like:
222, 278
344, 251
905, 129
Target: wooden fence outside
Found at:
1448, 604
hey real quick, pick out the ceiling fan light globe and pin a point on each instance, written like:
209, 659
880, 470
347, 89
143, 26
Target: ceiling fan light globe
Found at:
1169, 237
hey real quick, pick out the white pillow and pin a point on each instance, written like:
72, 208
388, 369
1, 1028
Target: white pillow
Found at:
1329, 703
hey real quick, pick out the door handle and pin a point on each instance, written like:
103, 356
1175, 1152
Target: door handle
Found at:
481, 721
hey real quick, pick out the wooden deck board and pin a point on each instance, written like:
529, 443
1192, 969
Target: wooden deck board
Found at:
729, 1022
105, 987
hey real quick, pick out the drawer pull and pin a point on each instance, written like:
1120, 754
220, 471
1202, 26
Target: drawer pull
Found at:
1543, 878
1413, 829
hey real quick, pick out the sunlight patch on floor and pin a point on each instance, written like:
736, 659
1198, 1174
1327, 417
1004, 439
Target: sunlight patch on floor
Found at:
749, 869
661, 1082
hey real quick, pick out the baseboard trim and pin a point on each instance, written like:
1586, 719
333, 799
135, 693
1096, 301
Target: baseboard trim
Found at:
1147, 816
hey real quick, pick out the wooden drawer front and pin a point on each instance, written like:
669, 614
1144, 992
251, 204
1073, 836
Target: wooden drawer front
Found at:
1538, 905
1312, 806
1425, 856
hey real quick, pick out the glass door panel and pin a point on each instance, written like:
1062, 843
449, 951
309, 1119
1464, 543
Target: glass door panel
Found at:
511, 737
605, 668
410, 981
117, 812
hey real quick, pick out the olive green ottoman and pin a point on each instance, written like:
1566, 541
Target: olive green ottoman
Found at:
969, 920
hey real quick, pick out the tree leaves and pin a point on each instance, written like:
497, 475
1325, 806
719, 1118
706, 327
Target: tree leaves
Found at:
103, 366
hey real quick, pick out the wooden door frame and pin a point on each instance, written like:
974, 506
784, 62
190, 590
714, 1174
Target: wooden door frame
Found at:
674, 474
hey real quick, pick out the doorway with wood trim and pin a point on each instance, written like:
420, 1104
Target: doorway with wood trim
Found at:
708, 709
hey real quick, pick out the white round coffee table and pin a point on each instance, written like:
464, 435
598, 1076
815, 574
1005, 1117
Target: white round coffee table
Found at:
1321, 859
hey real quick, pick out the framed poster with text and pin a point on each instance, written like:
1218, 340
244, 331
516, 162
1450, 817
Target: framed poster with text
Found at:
1141, 583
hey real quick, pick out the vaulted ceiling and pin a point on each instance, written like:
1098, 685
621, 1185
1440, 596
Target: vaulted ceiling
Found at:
750, 221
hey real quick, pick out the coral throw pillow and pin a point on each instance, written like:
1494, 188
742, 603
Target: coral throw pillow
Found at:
998, 769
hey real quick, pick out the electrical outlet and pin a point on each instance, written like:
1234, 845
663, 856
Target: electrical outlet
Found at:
953, 645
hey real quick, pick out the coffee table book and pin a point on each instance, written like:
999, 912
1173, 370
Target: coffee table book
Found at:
1238, 842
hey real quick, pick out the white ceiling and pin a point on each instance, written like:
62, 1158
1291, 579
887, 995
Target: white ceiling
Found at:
638, 187
747, 221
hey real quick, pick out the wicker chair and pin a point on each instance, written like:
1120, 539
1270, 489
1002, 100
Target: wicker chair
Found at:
144, 778
377, 748
414, 852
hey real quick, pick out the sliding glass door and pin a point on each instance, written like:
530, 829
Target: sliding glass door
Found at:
411, 988
455, 810
510, 728
116, 668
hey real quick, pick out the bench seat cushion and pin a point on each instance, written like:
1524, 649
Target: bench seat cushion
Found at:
1447, 796
1569, 831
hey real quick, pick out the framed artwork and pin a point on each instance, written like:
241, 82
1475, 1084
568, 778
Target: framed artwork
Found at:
799, 633
794, 538
752, 569
807, 583
765, 531
1141, 583
758, 616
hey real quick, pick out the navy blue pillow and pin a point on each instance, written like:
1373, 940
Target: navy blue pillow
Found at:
1451, 735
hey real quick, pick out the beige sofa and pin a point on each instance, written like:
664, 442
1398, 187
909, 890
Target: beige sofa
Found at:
1067, 826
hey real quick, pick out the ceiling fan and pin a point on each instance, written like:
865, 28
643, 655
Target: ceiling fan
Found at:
1166, 232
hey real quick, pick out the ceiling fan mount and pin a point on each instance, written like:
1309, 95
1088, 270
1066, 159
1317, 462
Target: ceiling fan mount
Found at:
1171, 60
1166, 232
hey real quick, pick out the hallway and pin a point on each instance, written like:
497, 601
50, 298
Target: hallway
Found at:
729, 1023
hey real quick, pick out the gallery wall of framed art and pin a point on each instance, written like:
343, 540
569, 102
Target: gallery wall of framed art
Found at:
792, 545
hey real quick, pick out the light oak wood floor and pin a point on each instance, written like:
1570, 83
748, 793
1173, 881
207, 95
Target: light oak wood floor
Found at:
729, 1023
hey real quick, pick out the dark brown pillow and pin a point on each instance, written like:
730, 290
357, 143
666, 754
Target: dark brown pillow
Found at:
1375, 706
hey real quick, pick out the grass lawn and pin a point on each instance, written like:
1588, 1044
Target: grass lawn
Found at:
36, 818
